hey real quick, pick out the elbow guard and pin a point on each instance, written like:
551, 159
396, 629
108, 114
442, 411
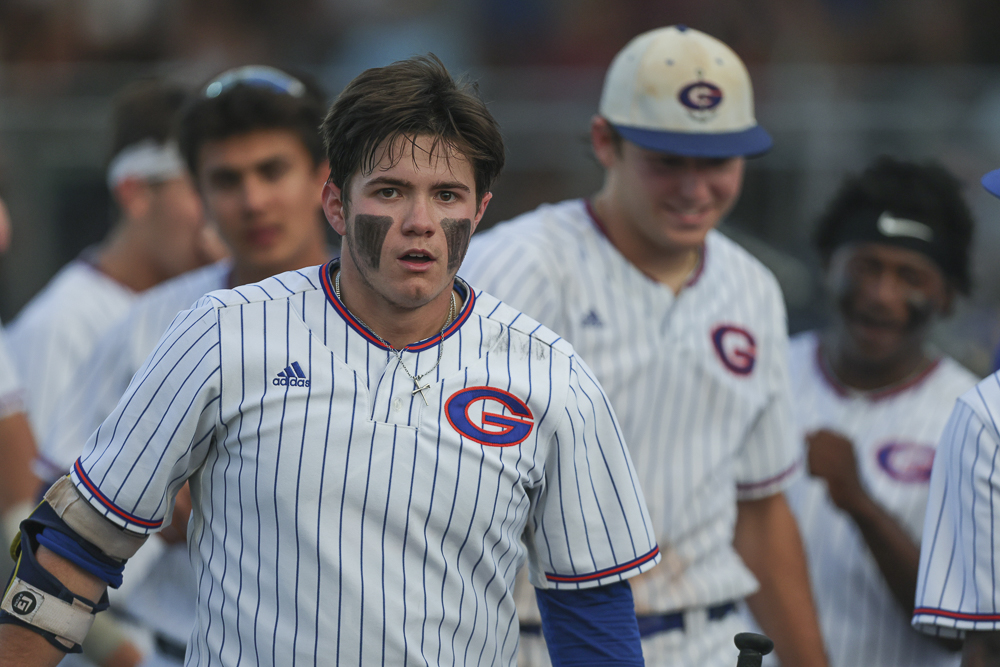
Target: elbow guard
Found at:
65, 523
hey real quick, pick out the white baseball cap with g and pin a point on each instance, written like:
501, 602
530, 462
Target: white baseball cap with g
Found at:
677, 90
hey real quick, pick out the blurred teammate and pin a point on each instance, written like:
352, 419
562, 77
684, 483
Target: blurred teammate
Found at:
687, 333
872, 401
367, 441
256, 152
257, 156
160, 234
957, 586
18, 486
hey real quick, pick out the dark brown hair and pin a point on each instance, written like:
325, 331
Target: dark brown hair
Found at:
410, 98
145, 109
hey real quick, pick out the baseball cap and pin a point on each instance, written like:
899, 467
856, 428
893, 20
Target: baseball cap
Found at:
991, 182
677, 90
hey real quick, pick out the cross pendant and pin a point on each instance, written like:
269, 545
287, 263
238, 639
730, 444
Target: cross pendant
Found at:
421, 390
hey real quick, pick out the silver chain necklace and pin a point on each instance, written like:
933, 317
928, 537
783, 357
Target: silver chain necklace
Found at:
399, 357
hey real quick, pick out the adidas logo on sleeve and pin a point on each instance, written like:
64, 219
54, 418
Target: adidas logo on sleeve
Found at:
292, 376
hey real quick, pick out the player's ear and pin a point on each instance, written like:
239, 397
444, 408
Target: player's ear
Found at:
481, 209
333, 207
604, 140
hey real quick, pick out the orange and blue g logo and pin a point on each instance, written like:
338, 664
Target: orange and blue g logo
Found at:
489, 416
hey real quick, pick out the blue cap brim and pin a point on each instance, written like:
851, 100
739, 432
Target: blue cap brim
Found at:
991, 182
747, 143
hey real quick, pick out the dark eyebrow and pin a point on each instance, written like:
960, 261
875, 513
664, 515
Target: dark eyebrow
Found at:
452, 185
386, 180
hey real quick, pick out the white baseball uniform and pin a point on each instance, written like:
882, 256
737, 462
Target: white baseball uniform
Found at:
699, 383
101, 380
957, 589
340, 519
57, 331
895, 432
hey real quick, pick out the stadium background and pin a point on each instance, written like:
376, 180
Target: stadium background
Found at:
837, 83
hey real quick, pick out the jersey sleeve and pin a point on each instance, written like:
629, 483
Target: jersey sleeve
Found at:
590, 526
92, 395
160, 431
770, 455
957, 584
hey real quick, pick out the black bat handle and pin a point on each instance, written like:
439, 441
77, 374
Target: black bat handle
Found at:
753, 648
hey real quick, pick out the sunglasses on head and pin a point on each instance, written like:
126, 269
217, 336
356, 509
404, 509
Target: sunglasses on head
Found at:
257, 76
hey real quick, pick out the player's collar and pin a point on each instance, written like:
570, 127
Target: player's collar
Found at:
909, 382
695, 273
468, 296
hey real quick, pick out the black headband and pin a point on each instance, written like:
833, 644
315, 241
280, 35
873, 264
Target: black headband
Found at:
875, 225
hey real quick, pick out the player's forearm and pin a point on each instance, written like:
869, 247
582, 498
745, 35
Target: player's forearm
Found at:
18, 484
981, 649
767, 538
895, 553
20, 647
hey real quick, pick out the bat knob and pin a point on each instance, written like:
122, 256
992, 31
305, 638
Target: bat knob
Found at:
753, 648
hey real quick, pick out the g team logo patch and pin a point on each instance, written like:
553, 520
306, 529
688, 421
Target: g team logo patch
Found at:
489, 416
701, 99
906, 462
736, 348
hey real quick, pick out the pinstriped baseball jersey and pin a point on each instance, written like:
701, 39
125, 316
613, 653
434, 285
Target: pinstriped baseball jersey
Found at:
698, 381
11, 399
894, 434
102, 379
58, 330
339, 518
957, 588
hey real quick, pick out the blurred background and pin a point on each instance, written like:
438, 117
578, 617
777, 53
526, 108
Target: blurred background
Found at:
838, 82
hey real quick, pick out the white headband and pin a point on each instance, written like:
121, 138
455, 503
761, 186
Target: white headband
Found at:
147, 160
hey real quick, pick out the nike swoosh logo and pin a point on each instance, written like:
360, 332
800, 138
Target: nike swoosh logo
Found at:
890, 225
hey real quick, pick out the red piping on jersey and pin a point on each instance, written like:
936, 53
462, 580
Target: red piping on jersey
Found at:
331, 295
959, 616
771, 480
131, 518
692, 279
600, 574
846, 392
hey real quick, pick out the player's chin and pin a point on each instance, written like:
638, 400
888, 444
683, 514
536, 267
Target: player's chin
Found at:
414, 291
877, 343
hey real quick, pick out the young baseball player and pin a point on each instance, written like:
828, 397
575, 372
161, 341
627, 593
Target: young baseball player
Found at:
956, 586
686, 332
872, 400
160, 234
367, 441
255, 150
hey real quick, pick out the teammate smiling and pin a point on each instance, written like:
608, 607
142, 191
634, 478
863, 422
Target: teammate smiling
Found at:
686, 332
375, 516
872, 400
